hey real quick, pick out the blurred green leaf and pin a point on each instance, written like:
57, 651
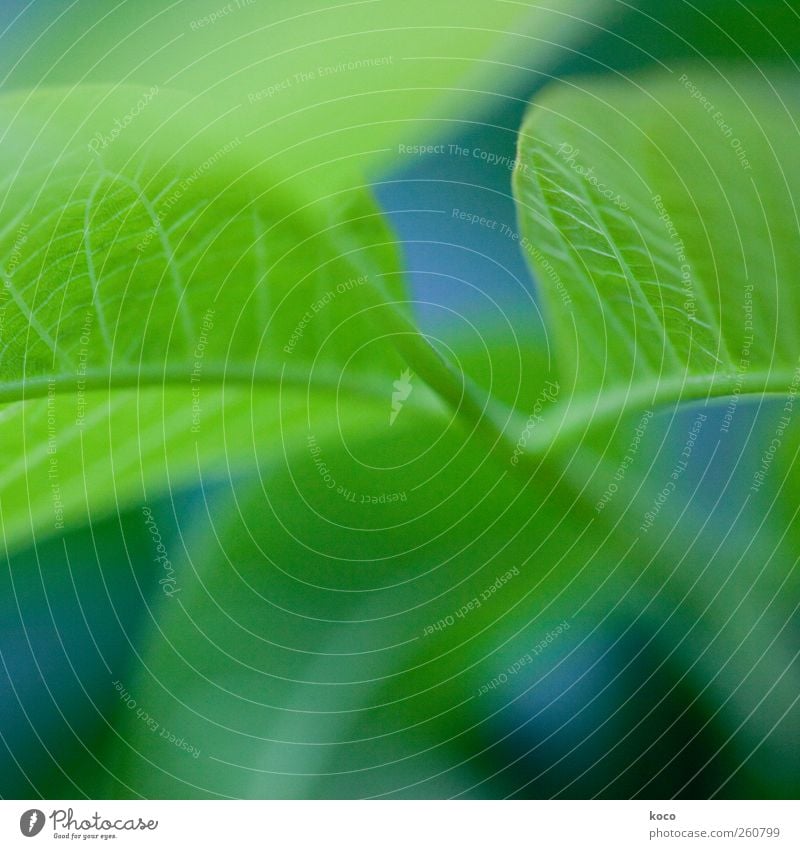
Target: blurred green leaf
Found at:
296, 652
331, 86
659, 214
751, 32
323, 646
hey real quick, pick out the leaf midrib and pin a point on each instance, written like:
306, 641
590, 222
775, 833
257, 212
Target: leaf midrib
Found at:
154, 377
586, 414
502, 424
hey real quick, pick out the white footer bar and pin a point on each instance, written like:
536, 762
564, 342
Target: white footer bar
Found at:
402, 825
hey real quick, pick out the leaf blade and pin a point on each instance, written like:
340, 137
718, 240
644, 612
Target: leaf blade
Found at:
669, 239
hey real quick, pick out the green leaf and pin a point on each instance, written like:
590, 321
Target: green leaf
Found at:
332, 86
659, 215
120, 258
151, 287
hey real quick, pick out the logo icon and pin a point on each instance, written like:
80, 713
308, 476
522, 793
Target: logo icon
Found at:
403, 389
31, 822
